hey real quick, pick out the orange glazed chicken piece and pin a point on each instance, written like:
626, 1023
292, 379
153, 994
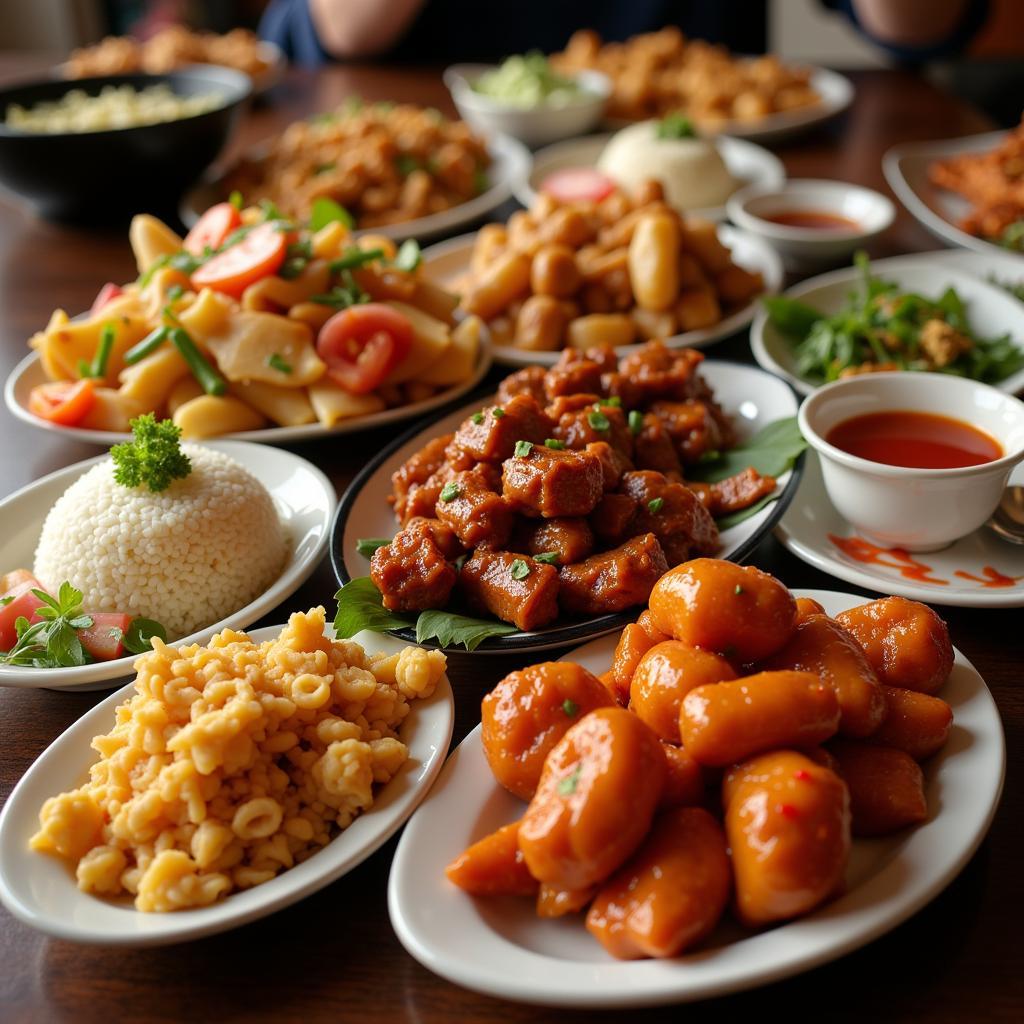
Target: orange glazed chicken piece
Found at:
493, 865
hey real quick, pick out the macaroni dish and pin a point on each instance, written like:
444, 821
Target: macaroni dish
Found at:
663, 72
116, 106
384, 163
233, 762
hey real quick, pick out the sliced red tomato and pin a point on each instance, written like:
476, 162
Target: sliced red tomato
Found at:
259, 254
577, 185
23, 603
212, 229
66, 402
104, 639
108, 292
361, 345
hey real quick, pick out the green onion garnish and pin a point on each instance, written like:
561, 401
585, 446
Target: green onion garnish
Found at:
570, 707
520, 570
547, 557
477, 417
636, 421
99, 364
149, 344
656, 504
275, 362
212, 382
498, 412
356, 258
554, 445
450, 492
598, 420
523, 448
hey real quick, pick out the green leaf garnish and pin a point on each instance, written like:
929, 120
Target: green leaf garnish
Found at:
598, 420
355, 257
450, 492
547, 557
771, 452
477, 418
359, 608
326, 211
408, 257
520, 570
366, 546
497, 412
570, 707
636, 421
733, 518
554, 444
53, 641
139, 638
655, 505
451, 630
523, 448
153, 457
675, 126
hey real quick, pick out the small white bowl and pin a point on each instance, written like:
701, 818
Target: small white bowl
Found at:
534, 126
804, 247
914, 509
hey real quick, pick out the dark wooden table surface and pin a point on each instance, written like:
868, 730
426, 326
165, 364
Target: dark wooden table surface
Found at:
334, 957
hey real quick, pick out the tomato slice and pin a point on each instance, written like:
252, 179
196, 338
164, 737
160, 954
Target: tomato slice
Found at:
361, 345
23, 603
256, 256
212, 229
104, 639
106, 294
66, 402
578, 184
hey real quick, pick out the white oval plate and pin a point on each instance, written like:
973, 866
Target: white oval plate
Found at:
29, 373
304, 499
750, 164
835, 90
753, 398
934, 208
41, 891
445, 262
955, 576
510, 164
499, 946
990, 310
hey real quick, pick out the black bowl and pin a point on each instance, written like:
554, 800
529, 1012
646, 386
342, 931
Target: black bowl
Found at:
105, 174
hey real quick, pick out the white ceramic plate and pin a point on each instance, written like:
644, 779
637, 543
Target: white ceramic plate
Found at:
753, 398
446, 262
990, 310
510, 164
936, 209
954, 576
500, 947
41, 891
748, 163
835, 90
304, 499
29, 372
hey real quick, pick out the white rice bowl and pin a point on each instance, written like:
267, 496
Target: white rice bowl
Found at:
186, 557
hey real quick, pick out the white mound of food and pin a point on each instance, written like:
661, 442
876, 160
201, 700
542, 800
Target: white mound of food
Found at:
187, 556
691, 171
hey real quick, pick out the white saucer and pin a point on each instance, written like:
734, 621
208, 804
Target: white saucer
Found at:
500, 946
810, 520
41, 891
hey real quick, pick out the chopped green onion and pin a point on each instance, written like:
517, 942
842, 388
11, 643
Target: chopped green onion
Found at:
614, 400
212, 382
567, 786
356, 257
675, 126
570, 707
270, 210
523, 448
149, 344
497, 412
636, 421
520, 570
738, 590
477, 417
236, 200
598, 420
175, 292
547, 557
450, 492
84, 368
275, 362
99, 364
408, 256
554, 445
656, 504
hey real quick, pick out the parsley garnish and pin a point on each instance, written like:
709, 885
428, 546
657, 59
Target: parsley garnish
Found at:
656, 505
598, 420
477, 417
153, 457
236, 200
450, 492
52, 642
554, 445
523, 448
497, 412
520, 570
738, 590
675, 126
547, 557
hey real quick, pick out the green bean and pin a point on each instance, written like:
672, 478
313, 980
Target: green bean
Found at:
212, 382
149, 344
99, 365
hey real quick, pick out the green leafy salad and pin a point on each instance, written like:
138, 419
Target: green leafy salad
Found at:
882, 328
772, 452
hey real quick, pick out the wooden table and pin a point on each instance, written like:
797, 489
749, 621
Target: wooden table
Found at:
334, 957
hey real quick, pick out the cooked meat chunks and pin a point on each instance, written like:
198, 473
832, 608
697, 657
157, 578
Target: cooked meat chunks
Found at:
570, 540
476, 514
415, 472
553, 483
593, 423
693, 427
740, 491
613, 580
613, 518
490, 435
673, 513
613, 463
527, 381
512, 587
659, 372
653, 447
412, 572
577, 372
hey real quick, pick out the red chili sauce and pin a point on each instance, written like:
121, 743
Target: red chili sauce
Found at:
917, 440
820, 220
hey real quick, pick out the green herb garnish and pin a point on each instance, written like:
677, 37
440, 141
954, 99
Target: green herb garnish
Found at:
636, 421
212, 382
497, 412
547, 557
771, 452
270, 210
53, 642
615, 401
675, 126
367, 545
149, 344
408, 257
570, 707
275, 362
355, 257
236, 200
523, 448
450, 630
139, 637
326, 211
598, 420
737, 590
341, 296
554, 444
406, 164
152, 457
656, 505
175, 292
450, 492
520, 570
477, 418
99, 363
567, 786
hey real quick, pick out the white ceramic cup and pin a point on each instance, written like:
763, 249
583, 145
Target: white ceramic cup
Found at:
914, 509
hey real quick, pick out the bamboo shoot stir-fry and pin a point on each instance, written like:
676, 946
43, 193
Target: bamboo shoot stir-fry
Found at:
251, 319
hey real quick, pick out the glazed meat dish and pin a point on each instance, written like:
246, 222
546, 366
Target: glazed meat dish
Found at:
568, 495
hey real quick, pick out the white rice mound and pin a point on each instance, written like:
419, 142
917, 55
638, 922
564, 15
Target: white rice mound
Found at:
187, 556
